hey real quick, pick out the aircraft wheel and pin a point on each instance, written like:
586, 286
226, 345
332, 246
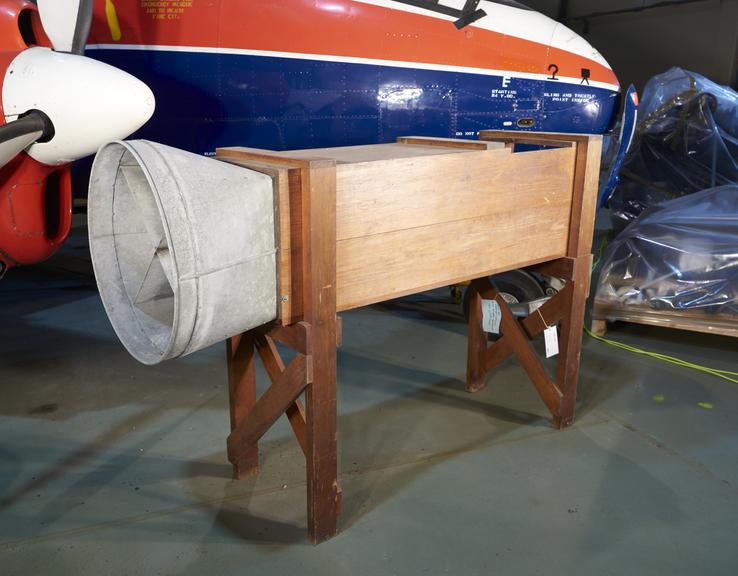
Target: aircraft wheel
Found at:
515, 287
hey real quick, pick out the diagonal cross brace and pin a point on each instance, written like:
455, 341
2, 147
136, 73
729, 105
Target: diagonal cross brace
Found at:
516, 339
274, 365
547, 315
269, 407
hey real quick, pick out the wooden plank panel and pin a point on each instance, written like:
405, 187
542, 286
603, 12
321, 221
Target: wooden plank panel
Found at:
384, 266
283, 183
375, 152
394, 244
408, 147
291, 261
288, 193
504, 135
533, 138
446, 188
260, 155
449, 142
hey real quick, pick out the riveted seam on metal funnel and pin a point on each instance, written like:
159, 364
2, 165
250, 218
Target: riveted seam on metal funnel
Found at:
183, 247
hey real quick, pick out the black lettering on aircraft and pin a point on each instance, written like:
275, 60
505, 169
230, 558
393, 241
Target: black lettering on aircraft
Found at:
586, 74
554, 71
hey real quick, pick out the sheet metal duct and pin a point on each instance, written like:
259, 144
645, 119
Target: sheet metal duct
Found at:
183, 248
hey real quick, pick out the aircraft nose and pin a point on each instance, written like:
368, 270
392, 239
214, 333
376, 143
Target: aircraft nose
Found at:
578, 59
88, 102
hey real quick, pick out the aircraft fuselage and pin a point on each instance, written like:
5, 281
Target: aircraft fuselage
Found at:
315, 73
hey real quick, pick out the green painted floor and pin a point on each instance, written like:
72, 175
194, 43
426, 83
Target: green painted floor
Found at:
110, 467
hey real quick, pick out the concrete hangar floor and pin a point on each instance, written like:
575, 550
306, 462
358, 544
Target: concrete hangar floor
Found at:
111, 467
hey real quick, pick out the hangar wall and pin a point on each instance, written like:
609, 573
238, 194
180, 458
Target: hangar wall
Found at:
700, 36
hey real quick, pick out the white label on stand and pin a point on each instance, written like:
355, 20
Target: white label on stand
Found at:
491, 316
551, 336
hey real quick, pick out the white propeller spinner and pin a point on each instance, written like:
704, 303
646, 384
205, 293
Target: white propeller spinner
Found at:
88, 102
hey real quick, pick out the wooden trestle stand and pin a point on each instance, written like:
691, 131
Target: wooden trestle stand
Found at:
365, 224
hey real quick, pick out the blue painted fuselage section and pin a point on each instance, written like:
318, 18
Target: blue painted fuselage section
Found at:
206, 100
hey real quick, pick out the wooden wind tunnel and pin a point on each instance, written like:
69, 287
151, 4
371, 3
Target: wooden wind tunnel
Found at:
365, 224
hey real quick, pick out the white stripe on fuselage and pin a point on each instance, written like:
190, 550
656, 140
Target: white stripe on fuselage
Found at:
350, 60
525, 24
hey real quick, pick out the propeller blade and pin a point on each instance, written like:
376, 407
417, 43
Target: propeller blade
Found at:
18, 135
66, 23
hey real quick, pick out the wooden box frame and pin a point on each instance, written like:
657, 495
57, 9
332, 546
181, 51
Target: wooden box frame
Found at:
342, 212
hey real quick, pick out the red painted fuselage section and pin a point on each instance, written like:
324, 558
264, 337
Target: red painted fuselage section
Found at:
35, 199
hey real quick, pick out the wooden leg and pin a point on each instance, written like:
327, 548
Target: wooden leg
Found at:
599, 327
242, 397
319, 304
323, 494
571, 342
477, 345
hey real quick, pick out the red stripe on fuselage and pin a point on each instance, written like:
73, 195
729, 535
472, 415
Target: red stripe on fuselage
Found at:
341, 28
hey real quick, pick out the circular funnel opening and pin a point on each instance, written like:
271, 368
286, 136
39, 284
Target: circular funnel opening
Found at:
130, 248
183, 248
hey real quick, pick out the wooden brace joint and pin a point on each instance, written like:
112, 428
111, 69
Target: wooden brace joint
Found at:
298, 336
275, 368
269, 407
515, 339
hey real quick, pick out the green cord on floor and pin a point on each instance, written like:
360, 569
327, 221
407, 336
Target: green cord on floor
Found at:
724, 374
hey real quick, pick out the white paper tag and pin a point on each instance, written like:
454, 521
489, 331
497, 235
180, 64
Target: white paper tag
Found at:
551, 336
491, 316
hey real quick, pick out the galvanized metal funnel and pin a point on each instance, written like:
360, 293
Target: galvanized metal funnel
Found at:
183, 248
